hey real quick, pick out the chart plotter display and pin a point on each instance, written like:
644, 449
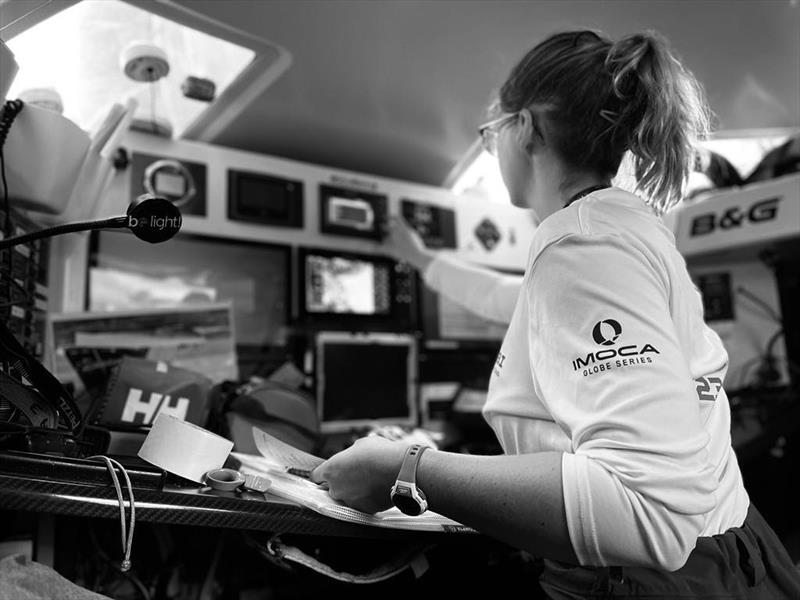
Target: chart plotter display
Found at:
357, 292
336, 284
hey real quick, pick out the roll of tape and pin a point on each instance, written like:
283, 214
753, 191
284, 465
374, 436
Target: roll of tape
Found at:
184, 449
224, 479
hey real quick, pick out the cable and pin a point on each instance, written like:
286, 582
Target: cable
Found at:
21, 303
112, 222
10, 110
766, 307
9, 228
152, 102
12, 281
109, 562
767, 371
27, 299
775, 337
126, 535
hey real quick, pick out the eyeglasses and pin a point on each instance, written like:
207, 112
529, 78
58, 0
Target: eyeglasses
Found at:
488, 132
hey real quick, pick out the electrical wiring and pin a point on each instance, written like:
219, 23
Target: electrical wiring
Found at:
153, 107
110, 568
768, 310
767, 364
10, 110
27, 298
20, 303
766, 361
744, 371
771, 343
761, 360
111, 222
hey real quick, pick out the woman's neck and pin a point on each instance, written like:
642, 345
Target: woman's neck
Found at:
553, 195
579, 188
585, 192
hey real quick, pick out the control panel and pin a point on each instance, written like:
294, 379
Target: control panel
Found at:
434, 224
265, 199
352, 213
181, 182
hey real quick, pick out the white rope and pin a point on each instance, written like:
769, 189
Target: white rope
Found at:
126, 532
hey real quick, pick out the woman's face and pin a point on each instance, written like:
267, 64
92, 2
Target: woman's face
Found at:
516, 168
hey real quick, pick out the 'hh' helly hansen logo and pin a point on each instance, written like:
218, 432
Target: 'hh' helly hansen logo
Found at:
151, 406
606, 333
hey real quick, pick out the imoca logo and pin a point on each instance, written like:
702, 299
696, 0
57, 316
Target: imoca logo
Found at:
606, 332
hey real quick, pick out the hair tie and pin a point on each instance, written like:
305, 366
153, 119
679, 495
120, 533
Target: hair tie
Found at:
609, 115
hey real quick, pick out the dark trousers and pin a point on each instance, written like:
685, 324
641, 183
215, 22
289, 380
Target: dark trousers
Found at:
744, 563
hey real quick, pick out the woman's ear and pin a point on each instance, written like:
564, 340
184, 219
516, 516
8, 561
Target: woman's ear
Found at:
529, 133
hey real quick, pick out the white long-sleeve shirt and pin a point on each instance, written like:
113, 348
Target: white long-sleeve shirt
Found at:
608, 360
482, 291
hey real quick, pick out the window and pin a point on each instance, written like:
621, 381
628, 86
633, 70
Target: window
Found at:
481, 177
77, 52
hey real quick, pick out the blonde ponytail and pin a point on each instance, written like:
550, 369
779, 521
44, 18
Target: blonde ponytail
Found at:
663, 112
610, 99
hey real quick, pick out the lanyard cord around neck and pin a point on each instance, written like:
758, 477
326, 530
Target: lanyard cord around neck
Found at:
586, 192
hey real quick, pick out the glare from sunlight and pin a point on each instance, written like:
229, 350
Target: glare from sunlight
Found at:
482, 178
77, 51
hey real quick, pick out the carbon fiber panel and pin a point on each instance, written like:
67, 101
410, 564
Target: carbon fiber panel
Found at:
195, 507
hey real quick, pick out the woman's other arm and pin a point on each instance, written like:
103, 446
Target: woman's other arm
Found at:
480, 290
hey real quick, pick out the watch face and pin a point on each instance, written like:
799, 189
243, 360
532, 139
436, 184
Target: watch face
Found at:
407, 504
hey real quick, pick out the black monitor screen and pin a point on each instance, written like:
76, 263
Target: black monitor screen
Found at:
344, 285
127, 274
365, 379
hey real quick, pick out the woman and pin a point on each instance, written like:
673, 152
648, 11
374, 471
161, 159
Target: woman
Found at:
606, 395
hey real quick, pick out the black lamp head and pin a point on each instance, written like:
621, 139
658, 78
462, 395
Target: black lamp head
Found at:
153, 219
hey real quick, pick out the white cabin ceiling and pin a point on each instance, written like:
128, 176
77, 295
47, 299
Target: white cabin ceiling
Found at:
397, 88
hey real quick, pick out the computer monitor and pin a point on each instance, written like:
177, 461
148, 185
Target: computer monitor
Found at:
365, 380
342, 290
125, 274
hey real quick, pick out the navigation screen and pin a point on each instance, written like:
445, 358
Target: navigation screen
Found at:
341, 285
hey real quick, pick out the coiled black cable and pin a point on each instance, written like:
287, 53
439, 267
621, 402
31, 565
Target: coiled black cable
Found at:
9, 112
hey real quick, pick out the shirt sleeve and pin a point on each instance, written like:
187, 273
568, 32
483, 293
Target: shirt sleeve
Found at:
480, 290
607, 363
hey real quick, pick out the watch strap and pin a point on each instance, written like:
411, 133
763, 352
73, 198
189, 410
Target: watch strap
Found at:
408, 470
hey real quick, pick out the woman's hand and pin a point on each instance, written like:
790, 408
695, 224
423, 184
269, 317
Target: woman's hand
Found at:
405, 244
362, 475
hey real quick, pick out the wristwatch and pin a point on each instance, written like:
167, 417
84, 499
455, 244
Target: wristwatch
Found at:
405, 494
